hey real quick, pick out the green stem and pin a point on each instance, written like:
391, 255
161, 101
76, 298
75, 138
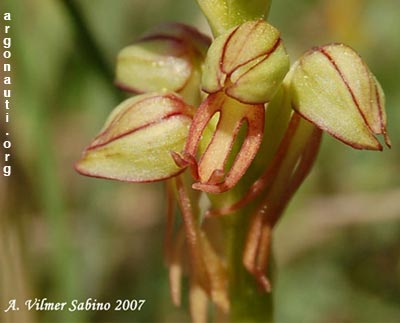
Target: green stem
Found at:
249, 303
225, 14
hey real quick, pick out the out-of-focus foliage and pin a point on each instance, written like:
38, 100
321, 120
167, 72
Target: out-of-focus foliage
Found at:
63, 236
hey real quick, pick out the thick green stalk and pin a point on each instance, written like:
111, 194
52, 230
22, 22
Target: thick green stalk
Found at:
249, 303
225, 14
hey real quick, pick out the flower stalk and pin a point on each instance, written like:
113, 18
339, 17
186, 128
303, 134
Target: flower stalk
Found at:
225, 14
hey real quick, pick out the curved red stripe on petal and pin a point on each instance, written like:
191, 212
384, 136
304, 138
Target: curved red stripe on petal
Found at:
255, 120
200, 120
254, 117
265, 180
218, 150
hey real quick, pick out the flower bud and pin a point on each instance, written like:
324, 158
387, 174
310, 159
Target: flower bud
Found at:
248, 62
333, 88
168, 58
135, 143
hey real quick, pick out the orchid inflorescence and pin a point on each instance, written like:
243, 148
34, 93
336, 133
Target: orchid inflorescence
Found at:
208, 114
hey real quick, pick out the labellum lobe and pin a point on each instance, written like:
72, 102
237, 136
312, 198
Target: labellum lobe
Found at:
210, 170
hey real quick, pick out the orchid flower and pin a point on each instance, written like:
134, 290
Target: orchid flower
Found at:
230, 120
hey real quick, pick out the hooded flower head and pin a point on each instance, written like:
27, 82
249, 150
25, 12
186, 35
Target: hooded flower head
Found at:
135, 142
248, 63
168, 57
333, 88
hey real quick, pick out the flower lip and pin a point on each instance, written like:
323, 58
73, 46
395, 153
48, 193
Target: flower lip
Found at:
209, 171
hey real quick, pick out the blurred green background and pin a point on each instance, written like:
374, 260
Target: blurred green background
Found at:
64, 236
